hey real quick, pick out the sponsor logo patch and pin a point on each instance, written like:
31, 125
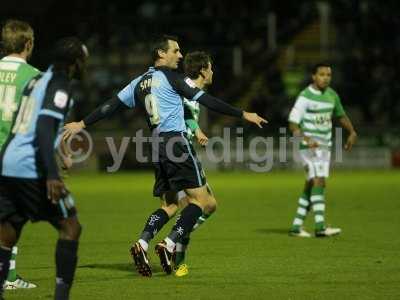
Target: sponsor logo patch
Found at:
61, 99
190, 82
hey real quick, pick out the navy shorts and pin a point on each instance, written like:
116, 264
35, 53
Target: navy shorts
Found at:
177, 167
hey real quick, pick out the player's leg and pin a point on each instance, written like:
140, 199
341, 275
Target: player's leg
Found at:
209, 209
14, 280
65, 220
318, 202
11, 224
158, 218
303, 208
182, 244
154, 224
183, 172
320, 165
8, 238
155, 221
318, 206
199, 199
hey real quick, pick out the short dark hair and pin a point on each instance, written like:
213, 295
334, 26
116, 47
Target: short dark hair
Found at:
160, 43
67, 51
315, 67
14, 35
194, 62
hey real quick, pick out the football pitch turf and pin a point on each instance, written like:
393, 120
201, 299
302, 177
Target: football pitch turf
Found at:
242, 252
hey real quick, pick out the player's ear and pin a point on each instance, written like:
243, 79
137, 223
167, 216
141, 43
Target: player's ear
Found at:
29, 45
161, 53
79, 69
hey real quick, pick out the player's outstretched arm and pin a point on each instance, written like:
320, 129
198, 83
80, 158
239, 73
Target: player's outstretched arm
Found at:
105, 110
72, 128
222, 107
352, 138
254, 118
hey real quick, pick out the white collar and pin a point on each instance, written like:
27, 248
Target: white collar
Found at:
14, 58
314, 91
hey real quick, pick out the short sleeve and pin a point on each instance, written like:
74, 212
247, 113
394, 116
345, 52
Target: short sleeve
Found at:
56, 101
338, 110
127, 94
298, 110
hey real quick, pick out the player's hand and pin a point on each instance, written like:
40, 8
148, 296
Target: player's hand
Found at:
55, 190
72, 128
311, 143
66, 162
201, 137
65, 155
254, 118
351, 140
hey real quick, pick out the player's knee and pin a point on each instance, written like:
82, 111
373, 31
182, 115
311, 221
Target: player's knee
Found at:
8, 235
211, 206
318, 182
170, 209
77, 231
169, 197
183, 202
70, 229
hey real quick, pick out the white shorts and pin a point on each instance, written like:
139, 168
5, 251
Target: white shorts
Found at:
182, 194
316, 162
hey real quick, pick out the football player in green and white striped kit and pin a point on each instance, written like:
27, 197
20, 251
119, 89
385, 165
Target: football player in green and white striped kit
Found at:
198, 67
311, 120
17, 40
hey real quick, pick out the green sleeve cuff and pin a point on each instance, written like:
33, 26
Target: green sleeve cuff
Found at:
340, 114
192, 124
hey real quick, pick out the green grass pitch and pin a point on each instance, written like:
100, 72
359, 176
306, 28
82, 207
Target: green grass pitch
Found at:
242, 252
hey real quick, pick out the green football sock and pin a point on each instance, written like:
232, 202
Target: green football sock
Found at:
201, 220
301, 212
12, 273
182, 245
318, 205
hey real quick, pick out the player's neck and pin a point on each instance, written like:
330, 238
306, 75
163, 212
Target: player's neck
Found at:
315, 87
161, 63
18, 55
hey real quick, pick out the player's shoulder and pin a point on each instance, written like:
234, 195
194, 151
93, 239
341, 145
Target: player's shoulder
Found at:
169, 73
60, 80
165, 70
31, 68
305, 93
332, 92
58, 92
28, 69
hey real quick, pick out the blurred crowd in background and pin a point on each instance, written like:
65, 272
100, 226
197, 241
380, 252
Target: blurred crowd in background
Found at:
262, 52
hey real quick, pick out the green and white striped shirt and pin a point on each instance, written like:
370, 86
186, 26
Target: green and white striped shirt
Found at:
313, 112
192, 112
15, 73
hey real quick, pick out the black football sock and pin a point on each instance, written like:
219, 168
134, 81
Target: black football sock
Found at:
66, 261
5, 255
154, 223
185, 223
